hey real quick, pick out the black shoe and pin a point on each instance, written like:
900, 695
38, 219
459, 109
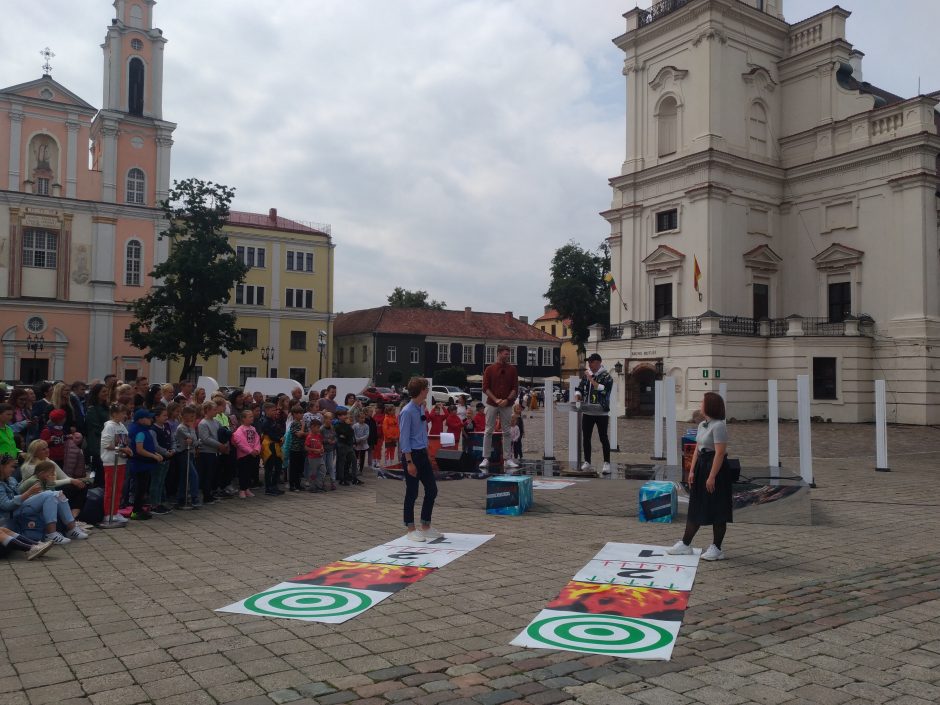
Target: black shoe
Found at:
272, 493
358, 482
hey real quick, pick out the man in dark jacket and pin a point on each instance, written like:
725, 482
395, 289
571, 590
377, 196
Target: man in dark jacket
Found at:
595, 388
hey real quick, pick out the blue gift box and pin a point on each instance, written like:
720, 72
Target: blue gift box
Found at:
658, 502
510, 495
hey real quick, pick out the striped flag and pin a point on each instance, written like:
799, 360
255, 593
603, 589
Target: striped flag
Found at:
609, 278
697, 272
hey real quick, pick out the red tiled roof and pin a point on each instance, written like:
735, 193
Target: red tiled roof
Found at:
424, 321
552, 315
262, 220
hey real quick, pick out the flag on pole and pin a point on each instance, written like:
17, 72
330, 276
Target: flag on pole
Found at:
697, 273
609, 278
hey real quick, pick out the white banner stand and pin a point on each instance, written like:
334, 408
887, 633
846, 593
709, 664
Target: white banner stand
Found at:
659, 415
881, 427
549, 450
806, 433
773, 436
612, 420
573, 429
672, 443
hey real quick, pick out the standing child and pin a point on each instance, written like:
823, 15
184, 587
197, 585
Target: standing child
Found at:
54, 435
143, 459
314, 446
379, 446
390, 432
272, 437
164, 443
516, 437
207, 451
454, 424
373, 433
345, 453
114, 451
247, 444
298, 436
185, 442
361, 435
328, 434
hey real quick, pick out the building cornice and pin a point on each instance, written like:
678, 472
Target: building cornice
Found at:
19, 199
865, 156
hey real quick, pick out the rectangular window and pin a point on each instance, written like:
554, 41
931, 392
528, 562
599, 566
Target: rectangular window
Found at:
365, 353
244, 373
840, 301
662, 301
553, 329
289, 298
239, 293
512, 355
299, 261
824, 378
443, 352
290, 261
39, 248
251, 256
761, 301
298, 340
308, 298
352, 354
415, 355
250, 336
468, 354
490, 355
249, 294
308, 262
393, 353
298, 374
259, 257
339, 352
42, 186
127, 334
298, 298
667, 220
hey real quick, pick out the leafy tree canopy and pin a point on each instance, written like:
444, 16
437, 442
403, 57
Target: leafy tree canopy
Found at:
455, 376
182, 318
403, 298
577, 289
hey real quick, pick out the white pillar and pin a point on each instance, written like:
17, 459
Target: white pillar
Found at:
71, 164
612, 429
13, 172
806, 442
881, 427
773, 438
549, 451
659, 416
672, 443
573, 429
723, 393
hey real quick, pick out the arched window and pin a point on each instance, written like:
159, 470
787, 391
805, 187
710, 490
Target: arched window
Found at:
136, 184
135, 87
757, 130
667, 125
133, 261
137, 16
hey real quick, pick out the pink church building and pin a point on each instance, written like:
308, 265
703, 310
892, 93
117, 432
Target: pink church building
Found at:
78, 230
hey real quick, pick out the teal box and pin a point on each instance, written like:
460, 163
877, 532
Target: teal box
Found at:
510, 495
658, 502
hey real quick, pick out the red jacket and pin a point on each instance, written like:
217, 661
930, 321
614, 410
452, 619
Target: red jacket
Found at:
437, 422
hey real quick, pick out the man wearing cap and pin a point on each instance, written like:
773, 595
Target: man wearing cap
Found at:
595, 388
143, 460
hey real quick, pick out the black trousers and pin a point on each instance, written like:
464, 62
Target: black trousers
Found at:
425, 477
296, 468
247, 470
142, 484
587, 426
205, 467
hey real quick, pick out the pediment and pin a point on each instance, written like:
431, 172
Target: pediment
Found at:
762, 257
666, 74
760, 78
838, 256
663, 259
47, 89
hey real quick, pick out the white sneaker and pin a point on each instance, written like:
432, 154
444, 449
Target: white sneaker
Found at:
713, 553
485, 464
83, 526
57, 538
431, 533
77, 534
120, 519
38, 549
680, 549
512, 464
606, 469
586, 466
416, 536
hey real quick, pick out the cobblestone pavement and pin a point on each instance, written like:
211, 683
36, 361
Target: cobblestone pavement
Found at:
845, 611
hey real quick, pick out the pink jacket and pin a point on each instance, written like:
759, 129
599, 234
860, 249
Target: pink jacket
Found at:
246, 440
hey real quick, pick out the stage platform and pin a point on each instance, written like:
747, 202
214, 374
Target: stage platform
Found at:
764, 495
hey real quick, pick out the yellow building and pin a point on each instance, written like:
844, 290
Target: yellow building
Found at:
550, 322
285, 306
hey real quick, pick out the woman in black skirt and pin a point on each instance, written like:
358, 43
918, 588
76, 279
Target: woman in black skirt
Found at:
709, 488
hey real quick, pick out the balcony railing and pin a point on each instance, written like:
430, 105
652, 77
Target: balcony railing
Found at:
687, 326
647, 329
742, 326
666, 7
738, 325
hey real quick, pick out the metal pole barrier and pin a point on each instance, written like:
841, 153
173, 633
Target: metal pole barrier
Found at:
187, 500
614, 401
773, 436
806, 442
672, 443
881, 427
574, 431
549, 449
659, 415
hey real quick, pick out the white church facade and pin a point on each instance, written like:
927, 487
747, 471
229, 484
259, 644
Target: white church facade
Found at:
774, 216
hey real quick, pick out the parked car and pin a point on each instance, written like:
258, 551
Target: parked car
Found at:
384, 394
447, 395
476, 393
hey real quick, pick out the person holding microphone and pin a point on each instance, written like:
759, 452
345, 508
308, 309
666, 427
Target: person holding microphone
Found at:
596, 385
413, 447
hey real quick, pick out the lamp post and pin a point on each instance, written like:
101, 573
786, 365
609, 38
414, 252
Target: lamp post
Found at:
34, 343
321, 347
267, 354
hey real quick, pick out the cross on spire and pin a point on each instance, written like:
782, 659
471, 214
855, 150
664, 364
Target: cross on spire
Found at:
46, 54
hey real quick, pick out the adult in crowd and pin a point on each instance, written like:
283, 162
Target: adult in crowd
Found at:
35, 512
77, 402
140, 391
328, 403
709, 485
7, 442
74, 489
24, 423
42, 405
167, 394
185, 395
96, 417
413, 445
594, 388
500, 389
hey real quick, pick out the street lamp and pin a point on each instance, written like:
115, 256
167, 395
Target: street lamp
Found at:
321, 346
267, 354
34, 343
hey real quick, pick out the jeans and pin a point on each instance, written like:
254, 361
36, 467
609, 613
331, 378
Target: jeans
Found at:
345, 463
425, 477
505, 415
329, 457
48, 507
318, 472
587, 425
182, 460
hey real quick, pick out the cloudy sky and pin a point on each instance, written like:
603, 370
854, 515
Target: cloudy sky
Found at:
453, 145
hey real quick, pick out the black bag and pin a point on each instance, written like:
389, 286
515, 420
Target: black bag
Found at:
93, 511
732, 466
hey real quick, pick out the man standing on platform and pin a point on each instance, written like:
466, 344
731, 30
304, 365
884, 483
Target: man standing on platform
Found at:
595, 388
500, 389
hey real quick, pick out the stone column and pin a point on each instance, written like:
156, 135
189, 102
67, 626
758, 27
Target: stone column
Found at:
156, 79
109, 132
16, 131
164, 143
71, 167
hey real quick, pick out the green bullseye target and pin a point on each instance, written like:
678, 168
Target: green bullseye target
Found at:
309, 601
599, 633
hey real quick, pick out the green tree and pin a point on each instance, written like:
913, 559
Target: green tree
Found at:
182, 318
396, 377
454, 376
403, 298
577, 289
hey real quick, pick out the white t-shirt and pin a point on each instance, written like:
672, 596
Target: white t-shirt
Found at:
113, 434
711, 432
